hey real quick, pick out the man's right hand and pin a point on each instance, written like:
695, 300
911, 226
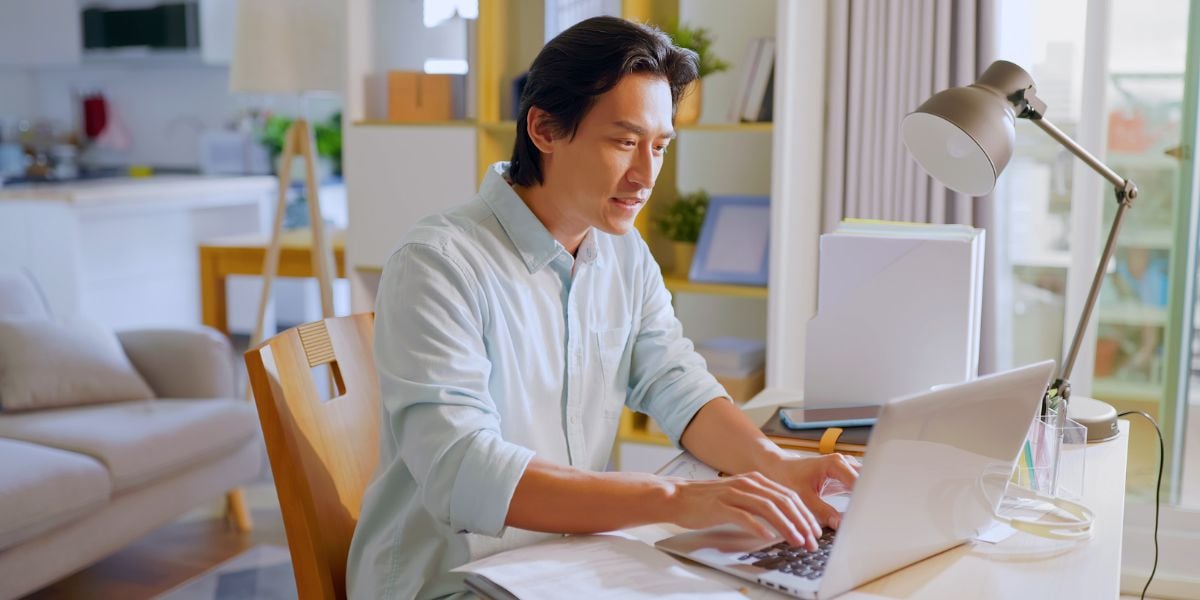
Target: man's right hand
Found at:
743, 500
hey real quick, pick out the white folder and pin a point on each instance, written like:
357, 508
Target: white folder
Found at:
898, 311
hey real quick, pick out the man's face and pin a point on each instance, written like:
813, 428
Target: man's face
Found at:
603, 176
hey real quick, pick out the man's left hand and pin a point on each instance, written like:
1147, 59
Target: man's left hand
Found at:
808, 477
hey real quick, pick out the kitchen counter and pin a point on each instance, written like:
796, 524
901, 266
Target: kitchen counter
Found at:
123, 250
140, 190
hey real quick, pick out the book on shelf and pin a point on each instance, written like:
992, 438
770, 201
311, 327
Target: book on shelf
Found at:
732, 356
753, 98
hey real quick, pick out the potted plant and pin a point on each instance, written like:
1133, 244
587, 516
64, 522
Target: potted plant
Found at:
681, 224
328, 137
698, 40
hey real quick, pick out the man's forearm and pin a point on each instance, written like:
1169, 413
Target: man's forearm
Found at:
723, 437
560, 499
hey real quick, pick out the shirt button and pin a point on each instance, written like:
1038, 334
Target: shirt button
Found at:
572, 420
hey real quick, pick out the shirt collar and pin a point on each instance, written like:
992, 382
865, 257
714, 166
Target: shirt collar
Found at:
531, 238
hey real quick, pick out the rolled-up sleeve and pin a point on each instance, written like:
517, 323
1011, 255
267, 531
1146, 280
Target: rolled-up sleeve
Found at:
668, 380
433, 373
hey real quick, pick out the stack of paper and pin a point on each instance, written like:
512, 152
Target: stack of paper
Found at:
898, 311
733, 356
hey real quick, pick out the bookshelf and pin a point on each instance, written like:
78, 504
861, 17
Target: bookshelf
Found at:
722, 157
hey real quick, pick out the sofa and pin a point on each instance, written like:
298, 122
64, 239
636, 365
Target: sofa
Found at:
80, 482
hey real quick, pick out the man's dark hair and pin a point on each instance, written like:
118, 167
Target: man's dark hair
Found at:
582, 63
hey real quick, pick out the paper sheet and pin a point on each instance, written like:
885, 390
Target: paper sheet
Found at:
596, 566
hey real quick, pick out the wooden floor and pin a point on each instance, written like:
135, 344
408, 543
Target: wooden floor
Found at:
165, 558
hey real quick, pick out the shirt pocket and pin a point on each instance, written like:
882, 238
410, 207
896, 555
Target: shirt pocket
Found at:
610, 346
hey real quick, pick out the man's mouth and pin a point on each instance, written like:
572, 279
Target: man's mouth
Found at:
631, 202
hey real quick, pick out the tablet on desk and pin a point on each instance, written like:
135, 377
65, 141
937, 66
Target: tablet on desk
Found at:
821, 418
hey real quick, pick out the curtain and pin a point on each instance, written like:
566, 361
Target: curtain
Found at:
884, 59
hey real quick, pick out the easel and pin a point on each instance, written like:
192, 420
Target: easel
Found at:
297, 138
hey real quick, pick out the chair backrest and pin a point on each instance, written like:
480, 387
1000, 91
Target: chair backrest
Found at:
323, 453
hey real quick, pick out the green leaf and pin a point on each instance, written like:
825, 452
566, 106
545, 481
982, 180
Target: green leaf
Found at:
682, 220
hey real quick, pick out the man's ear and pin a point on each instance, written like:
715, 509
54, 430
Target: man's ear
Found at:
540, 129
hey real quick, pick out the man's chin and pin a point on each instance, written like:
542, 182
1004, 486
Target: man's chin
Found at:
617, 227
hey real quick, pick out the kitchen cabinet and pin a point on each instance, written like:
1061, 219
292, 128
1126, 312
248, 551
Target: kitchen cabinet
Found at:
39, 34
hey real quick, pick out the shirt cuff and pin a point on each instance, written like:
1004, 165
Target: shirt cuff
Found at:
485, 483
680, 414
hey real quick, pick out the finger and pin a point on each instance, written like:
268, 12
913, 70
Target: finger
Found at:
840, 470
759, 506
853, 462
797, 509
751, 524
825, 512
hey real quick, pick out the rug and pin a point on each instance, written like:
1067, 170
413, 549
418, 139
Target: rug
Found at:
263, 572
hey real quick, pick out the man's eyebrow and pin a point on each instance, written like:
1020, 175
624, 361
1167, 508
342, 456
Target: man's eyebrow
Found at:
639, 130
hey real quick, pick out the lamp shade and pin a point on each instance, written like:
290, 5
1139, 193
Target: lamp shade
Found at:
288, 47
964, 136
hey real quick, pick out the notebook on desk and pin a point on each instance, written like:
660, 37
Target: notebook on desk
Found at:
849, 440
923, 488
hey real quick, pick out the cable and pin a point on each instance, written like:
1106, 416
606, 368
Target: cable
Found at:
1157, 490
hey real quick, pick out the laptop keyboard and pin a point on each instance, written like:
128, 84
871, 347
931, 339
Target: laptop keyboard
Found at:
795, 560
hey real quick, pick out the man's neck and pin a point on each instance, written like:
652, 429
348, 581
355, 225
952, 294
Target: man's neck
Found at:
541, 202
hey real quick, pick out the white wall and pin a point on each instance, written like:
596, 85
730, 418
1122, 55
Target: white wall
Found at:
16, 93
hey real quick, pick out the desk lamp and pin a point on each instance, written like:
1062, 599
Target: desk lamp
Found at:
964, 137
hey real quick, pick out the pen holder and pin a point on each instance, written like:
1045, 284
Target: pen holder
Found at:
1051, 461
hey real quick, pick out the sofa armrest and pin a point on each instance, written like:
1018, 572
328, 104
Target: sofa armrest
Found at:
182, 363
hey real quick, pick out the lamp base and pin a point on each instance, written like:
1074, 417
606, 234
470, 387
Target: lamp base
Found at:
1098, 417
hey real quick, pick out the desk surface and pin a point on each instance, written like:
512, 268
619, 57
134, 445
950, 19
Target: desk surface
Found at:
1018, 567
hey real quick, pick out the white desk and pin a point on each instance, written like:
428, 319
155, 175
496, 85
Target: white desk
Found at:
1021, 566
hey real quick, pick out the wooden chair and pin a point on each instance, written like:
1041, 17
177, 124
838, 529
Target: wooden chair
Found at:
323, 453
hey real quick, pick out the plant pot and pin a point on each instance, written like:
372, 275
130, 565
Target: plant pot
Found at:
688, 111
682, 254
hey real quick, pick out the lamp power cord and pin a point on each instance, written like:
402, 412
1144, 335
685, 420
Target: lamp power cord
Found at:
1157, 490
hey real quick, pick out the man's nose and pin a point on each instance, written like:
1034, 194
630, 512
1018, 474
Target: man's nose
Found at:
642, 170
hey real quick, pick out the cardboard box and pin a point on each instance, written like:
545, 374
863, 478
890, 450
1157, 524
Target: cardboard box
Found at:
419, 97
742, 389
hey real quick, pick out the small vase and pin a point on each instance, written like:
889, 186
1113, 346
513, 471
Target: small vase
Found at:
688, 110
682, 253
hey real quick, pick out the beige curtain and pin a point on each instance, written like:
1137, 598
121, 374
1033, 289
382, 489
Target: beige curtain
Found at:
884, 59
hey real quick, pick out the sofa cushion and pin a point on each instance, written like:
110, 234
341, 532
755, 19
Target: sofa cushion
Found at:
42, 487
140, 441
20, 297
46, 364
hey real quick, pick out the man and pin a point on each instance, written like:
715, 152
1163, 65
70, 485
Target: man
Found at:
512, 331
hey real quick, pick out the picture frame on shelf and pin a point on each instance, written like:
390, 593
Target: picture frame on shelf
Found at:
734, 242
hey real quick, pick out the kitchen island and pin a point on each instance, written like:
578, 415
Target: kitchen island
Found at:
122, 250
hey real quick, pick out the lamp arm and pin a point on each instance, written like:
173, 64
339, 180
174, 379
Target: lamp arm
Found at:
1126, 191
1116, 180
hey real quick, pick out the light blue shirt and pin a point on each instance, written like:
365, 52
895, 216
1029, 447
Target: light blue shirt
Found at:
494, 344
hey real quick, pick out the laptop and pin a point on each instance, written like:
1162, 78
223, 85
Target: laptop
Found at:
933, 475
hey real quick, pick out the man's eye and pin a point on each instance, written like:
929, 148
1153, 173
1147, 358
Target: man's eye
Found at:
628, 143
661, 148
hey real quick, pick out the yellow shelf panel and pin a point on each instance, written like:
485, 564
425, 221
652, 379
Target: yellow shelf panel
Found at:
729, 127
1105, 388
683, 286
634, 429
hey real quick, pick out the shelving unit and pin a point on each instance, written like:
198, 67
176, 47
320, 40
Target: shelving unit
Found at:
505, 39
